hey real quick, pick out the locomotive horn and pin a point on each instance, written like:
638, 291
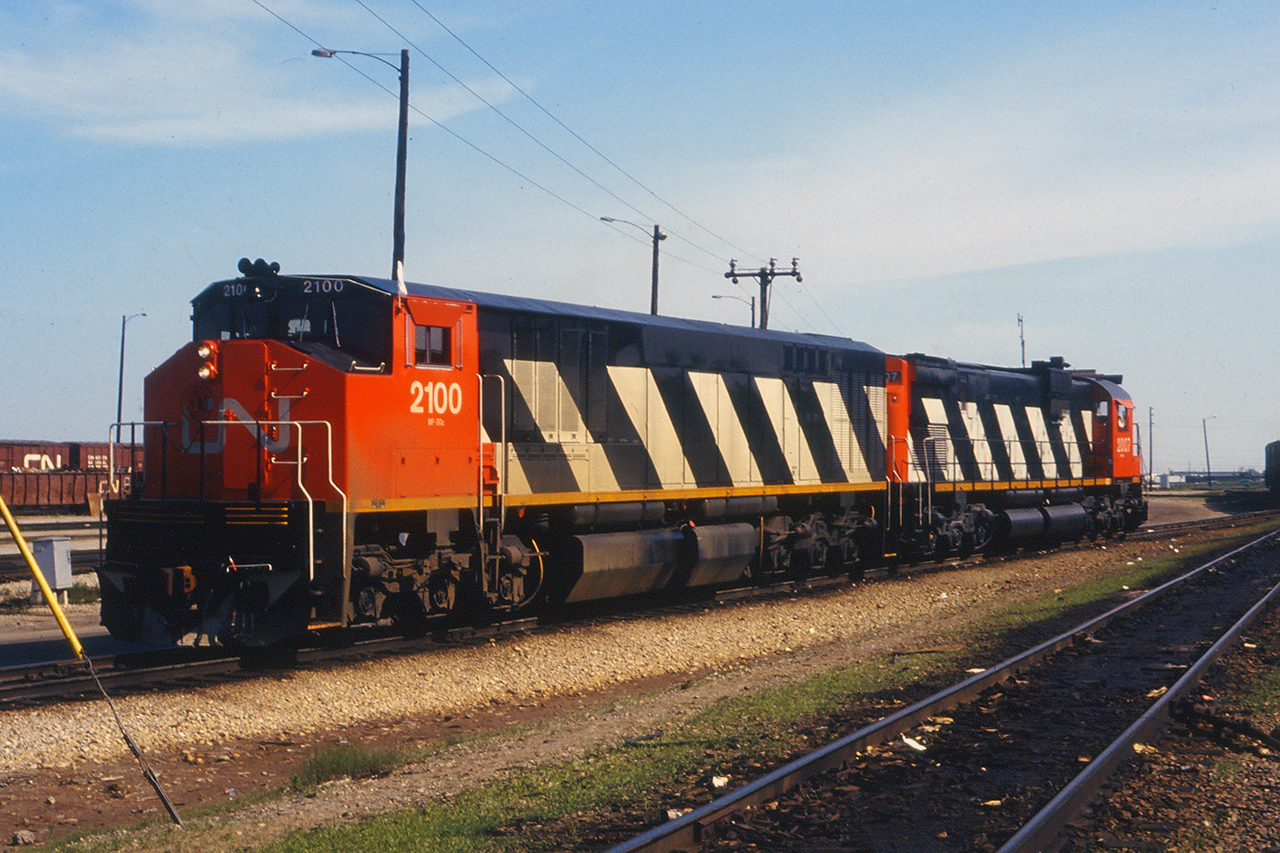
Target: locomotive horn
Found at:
257, 268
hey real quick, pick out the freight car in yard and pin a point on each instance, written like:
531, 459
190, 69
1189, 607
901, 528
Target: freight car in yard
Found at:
62, 476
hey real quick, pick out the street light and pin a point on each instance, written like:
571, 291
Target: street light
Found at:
124, 322
1208, 471
397, 233
657, 235
743, 300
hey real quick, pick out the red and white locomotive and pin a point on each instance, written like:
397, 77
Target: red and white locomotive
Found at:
333, 450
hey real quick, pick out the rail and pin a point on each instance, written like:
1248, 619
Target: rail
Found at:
690, 830
1049, 822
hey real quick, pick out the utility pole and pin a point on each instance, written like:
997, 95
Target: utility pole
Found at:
1151, 446
1208, 469
766, 275
657, 236
124, 322
402, 145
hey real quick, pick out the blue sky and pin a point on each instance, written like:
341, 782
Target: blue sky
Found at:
1110, 171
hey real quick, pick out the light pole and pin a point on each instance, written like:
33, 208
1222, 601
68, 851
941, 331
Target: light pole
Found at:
1208, 470
124, 322
743, 300
657, 235
397, 232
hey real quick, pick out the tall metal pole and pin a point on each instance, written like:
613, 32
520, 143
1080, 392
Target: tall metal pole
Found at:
743, 300
1208, 470
397, 226
124, 321
1022, 341
397, 247
653, 302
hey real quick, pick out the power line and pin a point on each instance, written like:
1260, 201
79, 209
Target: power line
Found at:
516, 172
589, 146
543, 145
500, 113
431, 119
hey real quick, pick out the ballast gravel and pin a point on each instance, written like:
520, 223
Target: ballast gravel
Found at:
890, 615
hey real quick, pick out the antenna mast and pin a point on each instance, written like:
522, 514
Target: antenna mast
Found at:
1023, 341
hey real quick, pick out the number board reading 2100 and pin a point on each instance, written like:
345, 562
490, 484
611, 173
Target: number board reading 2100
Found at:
435, 398
322, 285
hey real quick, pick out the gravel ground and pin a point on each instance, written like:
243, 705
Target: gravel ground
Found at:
66, 767
1199, 788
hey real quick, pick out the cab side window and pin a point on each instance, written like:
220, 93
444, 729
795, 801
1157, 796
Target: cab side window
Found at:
433, 345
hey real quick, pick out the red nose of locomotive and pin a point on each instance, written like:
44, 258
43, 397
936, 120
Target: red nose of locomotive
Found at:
223, 408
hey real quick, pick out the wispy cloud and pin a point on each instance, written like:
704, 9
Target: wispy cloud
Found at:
1103, 143
155, 73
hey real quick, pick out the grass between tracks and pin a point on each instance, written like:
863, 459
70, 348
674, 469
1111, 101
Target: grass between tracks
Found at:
534, 809
20, 602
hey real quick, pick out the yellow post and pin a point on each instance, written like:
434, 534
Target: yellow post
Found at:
49, 595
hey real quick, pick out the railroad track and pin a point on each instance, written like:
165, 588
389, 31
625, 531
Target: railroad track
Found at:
84, 533
1216, 523
992, 760
185, 667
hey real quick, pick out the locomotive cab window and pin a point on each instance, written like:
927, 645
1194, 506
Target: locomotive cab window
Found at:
337, 321
433, 346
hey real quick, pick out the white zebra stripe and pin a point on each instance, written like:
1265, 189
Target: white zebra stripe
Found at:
1009, 435
1041, 435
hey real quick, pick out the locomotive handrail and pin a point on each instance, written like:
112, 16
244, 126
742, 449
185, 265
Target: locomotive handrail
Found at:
311, 524
273, 367
500, 498
951, 467
934, 460
892, 475
275, 396
115, 429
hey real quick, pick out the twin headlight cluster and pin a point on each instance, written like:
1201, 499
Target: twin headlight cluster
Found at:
208, 353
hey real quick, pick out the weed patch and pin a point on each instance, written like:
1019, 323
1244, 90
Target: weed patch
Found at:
347, 761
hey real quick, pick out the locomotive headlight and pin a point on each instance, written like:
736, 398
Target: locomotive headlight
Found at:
208, 353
